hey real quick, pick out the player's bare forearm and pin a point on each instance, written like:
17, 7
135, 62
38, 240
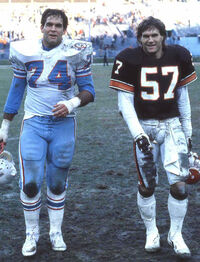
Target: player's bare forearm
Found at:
8, 116
85, 97
63, 108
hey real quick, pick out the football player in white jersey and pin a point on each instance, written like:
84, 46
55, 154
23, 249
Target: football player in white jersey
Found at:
49, 69
151, 81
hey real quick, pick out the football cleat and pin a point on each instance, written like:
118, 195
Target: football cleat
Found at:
152, 242
30, 245
7, 167
194, 169
178, 243
57, 242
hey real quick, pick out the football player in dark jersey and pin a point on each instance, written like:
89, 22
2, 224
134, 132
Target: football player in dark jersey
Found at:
153, 99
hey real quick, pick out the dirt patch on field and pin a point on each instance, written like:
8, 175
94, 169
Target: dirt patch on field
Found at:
101, 222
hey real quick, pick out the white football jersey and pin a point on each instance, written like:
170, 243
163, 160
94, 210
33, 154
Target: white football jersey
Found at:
51, 75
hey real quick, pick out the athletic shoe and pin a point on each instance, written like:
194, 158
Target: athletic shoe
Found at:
152, 242
57, 242
30, 245
178, 243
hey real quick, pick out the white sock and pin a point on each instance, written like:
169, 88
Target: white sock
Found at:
147, 208
55, 205
31, 208
177, 211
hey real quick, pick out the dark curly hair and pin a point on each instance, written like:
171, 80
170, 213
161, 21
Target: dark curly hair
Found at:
54, 12
149, 23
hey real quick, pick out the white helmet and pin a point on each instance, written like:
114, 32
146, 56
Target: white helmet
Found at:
194, 168
7, 167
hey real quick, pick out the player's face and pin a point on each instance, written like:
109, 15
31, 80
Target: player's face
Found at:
152, 42
52, 31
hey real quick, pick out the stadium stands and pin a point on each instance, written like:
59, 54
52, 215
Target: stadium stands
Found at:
107, 23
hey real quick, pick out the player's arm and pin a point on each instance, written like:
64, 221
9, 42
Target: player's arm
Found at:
184, 107
65, 107
86, 93
127, 110
13, 102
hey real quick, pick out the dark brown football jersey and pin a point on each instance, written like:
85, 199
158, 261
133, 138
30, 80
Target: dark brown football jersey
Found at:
154, 82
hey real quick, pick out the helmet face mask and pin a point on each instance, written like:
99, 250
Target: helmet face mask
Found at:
7, 168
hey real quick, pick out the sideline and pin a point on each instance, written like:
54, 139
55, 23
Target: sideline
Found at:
5, 66
94, 64
9, 66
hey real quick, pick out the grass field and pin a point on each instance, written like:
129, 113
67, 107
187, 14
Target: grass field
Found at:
101, 218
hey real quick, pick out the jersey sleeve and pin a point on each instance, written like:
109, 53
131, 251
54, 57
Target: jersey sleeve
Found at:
15, 95
18, 85
84, 58
83, 67
17, 62
188, 74
122, 75
86, 83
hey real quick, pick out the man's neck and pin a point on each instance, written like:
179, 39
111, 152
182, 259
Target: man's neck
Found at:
46, 48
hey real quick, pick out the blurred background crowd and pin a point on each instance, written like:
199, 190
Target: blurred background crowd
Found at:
109, 24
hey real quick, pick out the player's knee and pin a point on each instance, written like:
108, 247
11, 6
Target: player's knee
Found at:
31, 189
179, 190
146, 192
57, 189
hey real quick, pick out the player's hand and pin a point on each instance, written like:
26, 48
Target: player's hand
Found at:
144, 144
60, 110
4, 130
63, 108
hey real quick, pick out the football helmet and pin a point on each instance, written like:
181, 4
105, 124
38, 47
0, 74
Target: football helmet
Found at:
194, 168
7, 167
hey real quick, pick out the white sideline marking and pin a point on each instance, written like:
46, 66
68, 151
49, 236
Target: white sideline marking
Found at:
5, 66
9, 66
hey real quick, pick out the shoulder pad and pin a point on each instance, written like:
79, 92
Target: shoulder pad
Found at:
74, 47
79, 51
25, 47
183, 53
130, 55
20, 51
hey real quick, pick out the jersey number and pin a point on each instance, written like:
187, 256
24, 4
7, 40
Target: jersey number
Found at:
58, 75
119, 65
154, 85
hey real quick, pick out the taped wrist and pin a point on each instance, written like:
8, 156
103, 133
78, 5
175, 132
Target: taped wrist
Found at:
5, 125
71, 104
4, 130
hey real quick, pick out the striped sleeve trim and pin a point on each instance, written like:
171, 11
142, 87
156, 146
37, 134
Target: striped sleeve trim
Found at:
19, 73
83, 72
187, 80
119, 85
